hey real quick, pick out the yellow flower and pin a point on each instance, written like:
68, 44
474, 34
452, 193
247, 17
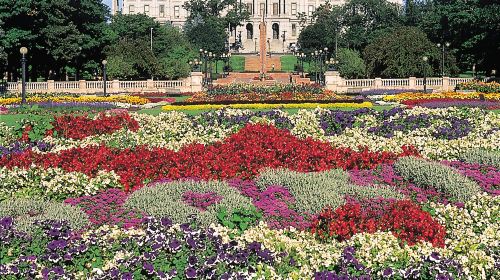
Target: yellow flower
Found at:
455, 95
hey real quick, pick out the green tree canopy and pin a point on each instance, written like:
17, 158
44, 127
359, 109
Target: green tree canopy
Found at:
131, 48
58, 33
399, 53
208, 20
351, 65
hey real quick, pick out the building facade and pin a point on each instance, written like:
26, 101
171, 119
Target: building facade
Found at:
281, 16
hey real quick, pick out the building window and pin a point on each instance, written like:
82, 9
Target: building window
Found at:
162, 11
294, 9
250, 8
311, 10
262, 8
176, 11
250, 31
275, 8
131, 9
276, 31
294, 29
146, 9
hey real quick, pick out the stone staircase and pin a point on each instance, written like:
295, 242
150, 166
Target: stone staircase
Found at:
252, 63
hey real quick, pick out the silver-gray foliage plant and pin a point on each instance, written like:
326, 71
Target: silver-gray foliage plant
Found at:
27, 211
165, 200
445, 179
316, 190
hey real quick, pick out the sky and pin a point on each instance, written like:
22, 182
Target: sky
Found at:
107, 2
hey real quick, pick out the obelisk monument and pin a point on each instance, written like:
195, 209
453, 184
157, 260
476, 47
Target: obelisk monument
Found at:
263, 52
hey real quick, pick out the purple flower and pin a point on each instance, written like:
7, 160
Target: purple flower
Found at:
190, 273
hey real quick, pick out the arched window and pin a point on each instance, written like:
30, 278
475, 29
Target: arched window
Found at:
276, 31
250, 31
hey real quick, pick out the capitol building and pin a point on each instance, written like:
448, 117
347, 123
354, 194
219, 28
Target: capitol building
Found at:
281, 16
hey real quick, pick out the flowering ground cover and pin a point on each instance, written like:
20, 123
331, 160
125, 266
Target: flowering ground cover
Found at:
406, 193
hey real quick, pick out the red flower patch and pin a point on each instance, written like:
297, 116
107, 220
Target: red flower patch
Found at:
79, 127
242, 155
403, 218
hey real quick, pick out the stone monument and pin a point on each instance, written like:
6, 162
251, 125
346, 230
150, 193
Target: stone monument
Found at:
263, 52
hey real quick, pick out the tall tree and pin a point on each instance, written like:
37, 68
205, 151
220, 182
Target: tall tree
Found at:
208, 20
399, 53
131, 47
471, 26
58, 33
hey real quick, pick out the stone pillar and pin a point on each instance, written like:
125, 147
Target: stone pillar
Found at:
333, 82
115, 86
377, 83
262, 45
412, 83
50, 86
446, 84
82, 86
150, 84
196, 82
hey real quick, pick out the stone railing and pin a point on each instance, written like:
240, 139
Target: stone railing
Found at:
336, 83
190, 84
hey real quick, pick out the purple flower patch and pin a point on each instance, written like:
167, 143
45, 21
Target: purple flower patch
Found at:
201, 200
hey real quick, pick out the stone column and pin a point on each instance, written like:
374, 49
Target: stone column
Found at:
333, 82
446, 84
377, 83
50, 86
115, 86
82, 86
196, 82
150, 84
412, 83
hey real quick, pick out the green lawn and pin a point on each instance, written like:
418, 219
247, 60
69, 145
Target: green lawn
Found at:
288, 63
237, 63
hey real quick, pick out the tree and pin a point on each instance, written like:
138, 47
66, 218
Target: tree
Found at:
398, 54
208, 20
131, 47
57, 33
208, 34
351, 65
3, 54
472, 28
364, 19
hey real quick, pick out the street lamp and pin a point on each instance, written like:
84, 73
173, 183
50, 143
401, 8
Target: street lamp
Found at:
151, 36
104, 62
443, 53
23, 52
332, 63
425, 59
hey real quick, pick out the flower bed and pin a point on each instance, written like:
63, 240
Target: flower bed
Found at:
235, 194
451, 102
491, 87
446, 95
79, 99
263, 106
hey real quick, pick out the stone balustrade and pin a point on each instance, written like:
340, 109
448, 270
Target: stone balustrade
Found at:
193, 83
338, 84
190, 84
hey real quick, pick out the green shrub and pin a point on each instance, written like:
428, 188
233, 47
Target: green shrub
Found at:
239, 219
165, 200
316, 190
27, 211
481, 156
445, 179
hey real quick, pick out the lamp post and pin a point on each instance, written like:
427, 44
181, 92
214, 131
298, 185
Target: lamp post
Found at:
104, 62
425, 59
151, 36
195, 64
332, 64
23, 52
443, 55
323, 58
